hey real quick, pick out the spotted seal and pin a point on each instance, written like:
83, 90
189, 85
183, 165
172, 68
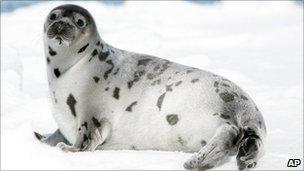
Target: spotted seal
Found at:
107, 98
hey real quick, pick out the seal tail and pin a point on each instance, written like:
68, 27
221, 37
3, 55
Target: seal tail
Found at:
253, 131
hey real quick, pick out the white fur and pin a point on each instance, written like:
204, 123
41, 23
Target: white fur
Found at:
145, 127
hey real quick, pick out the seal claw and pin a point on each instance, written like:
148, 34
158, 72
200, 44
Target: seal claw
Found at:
38, 136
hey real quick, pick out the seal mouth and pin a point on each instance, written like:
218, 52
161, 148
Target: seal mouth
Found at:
59, 39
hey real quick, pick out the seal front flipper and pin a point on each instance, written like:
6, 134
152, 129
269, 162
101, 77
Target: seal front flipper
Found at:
39, 136
53, 139
91, 134
219, 147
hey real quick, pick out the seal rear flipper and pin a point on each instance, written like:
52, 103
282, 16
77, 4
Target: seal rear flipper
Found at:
53, 139
251, 146
250, 149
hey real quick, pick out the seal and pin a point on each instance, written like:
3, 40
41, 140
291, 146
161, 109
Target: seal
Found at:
107, 98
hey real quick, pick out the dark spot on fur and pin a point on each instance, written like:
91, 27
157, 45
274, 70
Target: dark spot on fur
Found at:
143, 62
85, 138
194, 80
105, 76
130, 84
217, 90
176, 72
116, 72
96, 122
71, 102
216, 84
85, 124
106, 89
94, 53
169, 87
51, 52
137, 75
235, 94
57, 72
83, 48
244, 97
227, 97
228, 123
203, 143
129, 108
165, 66
158, 81
98, 43
157, 67
150, 76
116, 93
178, 83
96, 79
260, 124
225, 116
159, 70
225, 85
48, 60
215, 114
79, 129
160, 101
189, 71
181, 141
172, 119
102, 56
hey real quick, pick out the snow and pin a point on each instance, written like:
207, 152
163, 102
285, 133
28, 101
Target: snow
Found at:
258, 45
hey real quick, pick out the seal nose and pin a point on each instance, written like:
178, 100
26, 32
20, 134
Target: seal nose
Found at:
61, 29
60, 26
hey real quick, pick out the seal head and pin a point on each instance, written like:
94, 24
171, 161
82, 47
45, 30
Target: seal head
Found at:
68, 24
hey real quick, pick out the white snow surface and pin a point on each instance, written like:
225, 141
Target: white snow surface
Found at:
258, 45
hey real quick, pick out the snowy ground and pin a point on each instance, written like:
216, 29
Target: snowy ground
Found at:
257, 45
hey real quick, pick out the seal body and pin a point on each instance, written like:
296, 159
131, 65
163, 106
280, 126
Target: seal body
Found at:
107, 98
150, 106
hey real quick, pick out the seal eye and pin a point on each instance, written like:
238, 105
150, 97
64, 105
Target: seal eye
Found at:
53, 16
80, 22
